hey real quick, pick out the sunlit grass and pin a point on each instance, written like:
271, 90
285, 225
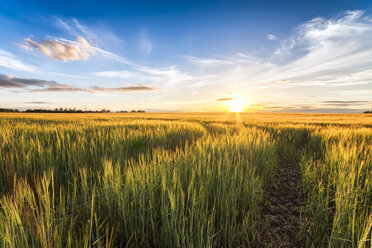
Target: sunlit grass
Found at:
177, 180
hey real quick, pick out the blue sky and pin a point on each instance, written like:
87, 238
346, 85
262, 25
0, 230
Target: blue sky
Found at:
276, 56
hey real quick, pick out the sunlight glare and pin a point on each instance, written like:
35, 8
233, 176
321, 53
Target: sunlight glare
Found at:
236, 105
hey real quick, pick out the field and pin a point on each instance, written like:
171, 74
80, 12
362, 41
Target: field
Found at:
185, 180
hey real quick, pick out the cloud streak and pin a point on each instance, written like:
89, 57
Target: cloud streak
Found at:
224, 99
7, 81
128, 88
38, 102
170, 76
321, 107
8, 60
346, 103
271, 37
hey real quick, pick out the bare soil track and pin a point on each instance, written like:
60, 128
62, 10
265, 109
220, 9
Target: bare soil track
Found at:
281, 214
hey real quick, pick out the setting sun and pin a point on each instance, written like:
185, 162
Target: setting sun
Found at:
236, 105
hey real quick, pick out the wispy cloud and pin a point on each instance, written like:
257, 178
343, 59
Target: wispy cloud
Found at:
38, 102
320, 107
128, 88
224, 99
83, 29
124, 74
285, 47
346, 103
66, 25
271, 37
322, 52
317, 110
10, 61
100, 52
24, 46
166, 76
96, 33
73, 27
343, 102
59, 88
208, 61
145, 44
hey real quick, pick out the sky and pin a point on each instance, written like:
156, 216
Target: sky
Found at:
182, 56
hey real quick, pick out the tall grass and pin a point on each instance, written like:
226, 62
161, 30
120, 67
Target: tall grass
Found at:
338, 177
131, 183
163, 180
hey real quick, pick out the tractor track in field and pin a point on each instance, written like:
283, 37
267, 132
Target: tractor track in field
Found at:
281, 213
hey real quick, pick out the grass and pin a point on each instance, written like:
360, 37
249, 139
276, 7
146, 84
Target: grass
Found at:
337, 171
178, 180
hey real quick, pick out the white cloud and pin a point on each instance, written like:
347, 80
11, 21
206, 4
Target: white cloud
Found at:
24, 47
112, 56
168, 76
65, 51
321, 52
66, 26
83, 29
208, 61
92, 49
271, 37
285, 48
100, 52
119, 74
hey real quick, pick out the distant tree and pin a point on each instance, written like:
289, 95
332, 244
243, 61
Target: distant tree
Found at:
58, 110
8, 110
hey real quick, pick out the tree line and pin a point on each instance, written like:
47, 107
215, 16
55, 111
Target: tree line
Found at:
67, 110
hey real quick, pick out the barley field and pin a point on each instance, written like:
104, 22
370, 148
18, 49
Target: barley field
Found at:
183, 180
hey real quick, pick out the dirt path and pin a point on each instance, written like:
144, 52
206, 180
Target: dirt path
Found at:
281, 213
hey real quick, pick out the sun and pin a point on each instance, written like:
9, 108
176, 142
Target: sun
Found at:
236, 105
